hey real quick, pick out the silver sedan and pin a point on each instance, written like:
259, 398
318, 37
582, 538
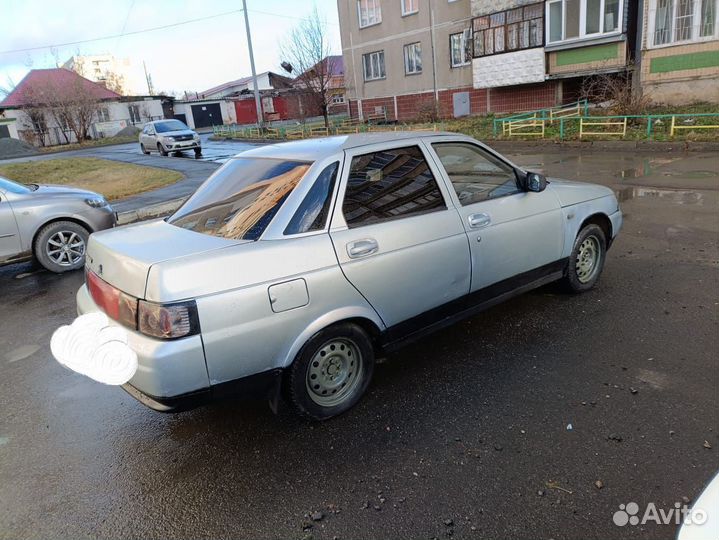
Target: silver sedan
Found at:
295, 265
50, 223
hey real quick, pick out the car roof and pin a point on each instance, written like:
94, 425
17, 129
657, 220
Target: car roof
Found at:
318, 148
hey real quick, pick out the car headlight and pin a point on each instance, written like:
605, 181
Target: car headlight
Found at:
196, 137
96, 202
169, 139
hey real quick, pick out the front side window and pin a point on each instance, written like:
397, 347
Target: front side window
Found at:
413, 58
369, 12
241, 198
373, 64
311, 214
511, 30
678, 21
579, 19
460, 48
390, 184
409, 6
476, 175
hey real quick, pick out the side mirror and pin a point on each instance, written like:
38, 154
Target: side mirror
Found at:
535, 182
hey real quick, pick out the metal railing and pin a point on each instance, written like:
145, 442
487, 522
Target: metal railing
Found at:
601, 122
314, 130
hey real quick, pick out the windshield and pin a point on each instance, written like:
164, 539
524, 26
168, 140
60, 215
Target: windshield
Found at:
8, 186
241, 198
170, 125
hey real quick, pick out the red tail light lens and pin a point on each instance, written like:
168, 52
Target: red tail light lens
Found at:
164, 321
115, 303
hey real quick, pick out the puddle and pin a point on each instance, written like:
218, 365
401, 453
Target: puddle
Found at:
683, 197
21, 353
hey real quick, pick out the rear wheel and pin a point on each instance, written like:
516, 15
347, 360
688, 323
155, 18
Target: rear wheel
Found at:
60, 246
160, 149
331, 372
144, 151
587, 259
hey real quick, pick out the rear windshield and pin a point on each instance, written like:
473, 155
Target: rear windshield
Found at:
241, 198
170, 125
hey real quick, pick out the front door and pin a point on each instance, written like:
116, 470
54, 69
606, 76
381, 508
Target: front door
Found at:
511, 231
9, 234
397, 239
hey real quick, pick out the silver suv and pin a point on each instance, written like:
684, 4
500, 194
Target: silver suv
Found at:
167, 136
295, 265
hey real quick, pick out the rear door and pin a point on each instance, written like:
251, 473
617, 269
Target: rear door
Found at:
511, 231
398, 239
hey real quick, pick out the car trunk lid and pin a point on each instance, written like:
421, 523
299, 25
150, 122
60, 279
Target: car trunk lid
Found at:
123, 256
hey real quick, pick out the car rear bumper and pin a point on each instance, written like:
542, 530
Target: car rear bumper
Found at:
166, 369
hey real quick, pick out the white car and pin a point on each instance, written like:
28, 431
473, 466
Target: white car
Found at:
295, 264
166, 136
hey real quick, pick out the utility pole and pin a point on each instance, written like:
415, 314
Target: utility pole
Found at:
258, 105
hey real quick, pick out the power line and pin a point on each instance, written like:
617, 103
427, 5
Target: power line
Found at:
79, 42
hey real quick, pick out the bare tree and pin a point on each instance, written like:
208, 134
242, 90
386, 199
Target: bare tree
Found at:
617, 91
307, 50
115, 82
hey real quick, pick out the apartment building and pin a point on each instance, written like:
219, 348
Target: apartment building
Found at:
680, 51
402, 56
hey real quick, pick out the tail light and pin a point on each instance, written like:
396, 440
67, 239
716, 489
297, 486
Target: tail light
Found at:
164, 321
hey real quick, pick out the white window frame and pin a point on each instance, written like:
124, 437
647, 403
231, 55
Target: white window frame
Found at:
103, 114
379, 77
405, 50
582, 22
410, 11
695, 38
466, 39
338, 98
376, 10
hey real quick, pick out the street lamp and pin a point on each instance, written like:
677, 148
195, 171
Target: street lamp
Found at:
258, 105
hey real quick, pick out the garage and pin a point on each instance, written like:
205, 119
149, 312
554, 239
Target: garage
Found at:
207, 115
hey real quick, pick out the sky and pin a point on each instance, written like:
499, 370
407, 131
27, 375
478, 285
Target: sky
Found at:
186, 57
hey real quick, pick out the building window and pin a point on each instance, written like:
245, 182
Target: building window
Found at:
369, 12
459, 45
578, 19
373, 65
409, 6
413, 58
338, 98
511, 30
678, 21
134, 114
103, 115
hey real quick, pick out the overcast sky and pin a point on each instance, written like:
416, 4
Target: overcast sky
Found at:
192, 56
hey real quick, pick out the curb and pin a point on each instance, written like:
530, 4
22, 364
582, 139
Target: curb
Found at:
150, 212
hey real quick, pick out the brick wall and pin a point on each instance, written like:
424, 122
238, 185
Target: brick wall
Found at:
481, 101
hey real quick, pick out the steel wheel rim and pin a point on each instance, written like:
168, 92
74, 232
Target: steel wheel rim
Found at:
588, 258
65, 248
335, 372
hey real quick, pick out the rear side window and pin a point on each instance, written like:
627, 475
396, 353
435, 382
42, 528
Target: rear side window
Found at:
241, 198
312, 213
389, 185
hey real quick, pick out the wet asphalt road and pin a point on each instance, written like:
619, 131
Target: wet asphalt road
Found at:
462, 434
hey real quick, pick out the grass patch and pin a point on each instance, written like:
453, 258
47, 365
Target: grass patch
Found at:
107, 141
113, 179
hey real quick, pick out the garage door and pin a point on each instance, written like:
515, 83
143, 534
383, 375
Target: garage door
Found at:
207, 115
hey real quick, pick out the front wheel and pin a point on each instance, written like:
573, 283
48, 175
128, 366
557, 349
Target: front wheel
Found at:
331, 372
160, 149
60, 246
198, 153
587, 259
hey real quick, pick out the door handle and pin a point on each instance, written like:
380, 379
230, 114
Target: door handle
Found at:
362, 248
477, 221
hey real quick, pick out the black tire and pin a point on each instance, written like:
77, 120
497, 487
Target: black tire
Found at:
349, 381
580, 277
50, 254
198, 153
142, 147
160, 149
